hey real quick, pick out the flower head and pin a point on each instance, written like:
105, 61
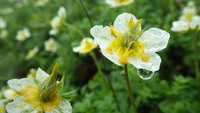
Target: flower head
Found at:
62, 12
125, 42
50, 45
116, 3
31, 53
87, 44
38, 95
188, 20
2, 23
23, 34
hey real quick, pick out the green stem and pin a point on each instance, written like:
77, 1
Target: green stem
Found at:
86, 13
196, 62
129, 88
98, 67
108, 84
74, 28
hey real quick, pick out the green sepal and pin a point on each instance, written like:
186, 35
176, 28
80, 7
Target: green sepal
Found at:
69, 95
61, 83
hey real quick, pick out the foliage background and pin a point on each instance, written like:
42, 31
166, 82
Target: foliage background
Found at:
171, 90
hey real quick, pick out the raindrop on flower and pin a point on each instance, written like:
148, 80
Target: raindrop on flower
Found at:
145, 74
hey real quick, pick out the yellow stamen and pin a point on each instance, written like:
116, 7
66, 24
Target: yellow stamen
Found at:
121, 1
87, 46
115, 32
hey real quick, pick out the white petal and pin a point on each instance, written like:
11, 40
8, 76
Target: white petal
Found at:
155, 39
64, 106
180, 26
41, 75
152, 65
113, 3
17, 84
102, 35
19, 106
112, 57
77, 49
195, 22
120, 23
9, 93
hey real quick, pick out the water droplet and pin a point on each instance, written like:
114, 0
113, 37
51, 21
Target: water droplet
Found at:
145, 74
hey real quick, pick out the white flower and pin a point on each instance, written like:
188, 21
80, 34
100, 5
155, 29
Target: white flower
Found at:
9, 94
41, 2
50, 45
3, 34
62, 12
116, 3
125, 42
38, 95
188, 20
23, 34
86, 45
31, 53
2, 23
56, 24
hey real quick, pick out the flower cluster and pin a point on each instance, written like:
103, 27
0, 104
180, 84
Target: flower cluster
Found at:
188, 20
125, 42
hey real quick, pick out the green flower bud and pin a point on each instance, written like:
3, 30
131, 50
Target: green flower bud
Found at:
48, 88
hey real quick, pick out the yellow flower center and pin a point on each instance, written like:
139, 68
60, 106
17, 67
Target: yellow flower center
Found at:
23, 35
51, 46
127, 44
121, 1
189, 16
1, 109
31, 95
87, 46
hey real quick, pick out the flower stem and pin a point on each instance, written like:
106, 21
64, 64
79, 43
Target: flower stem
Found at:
74, 28
98, 68
196, 62
86, 13
129, 88
108, 84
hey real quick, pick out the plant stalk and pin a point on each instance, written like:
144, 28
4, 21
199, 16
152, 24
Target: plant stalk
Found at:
74, 28
86, 13
129, 88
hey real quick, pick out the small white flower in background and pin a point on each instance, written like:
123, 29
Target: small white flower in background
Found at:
57, 21
50, 45
41, 2
56, 24
86, 45
62, 12
23, 34
125, 42
188, 20
116, 3
31, 53
39, 95
9, 94
32, 73
2, 23
3, 34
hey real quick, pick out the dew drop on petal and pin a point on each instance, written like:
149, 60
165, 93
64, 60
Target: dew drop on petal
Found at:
145, 74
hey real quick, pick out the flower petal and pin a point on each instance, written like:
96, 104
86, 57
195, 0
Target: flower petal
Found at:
179, 26
41, 75
155, 39
17, 84
112, 57
19, 106
152, 65
63, 107
120, 23
195, 22
102, 35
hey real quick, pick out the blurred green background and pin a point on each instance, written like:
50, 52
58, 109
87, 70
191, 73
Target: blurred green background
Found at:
171, 90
